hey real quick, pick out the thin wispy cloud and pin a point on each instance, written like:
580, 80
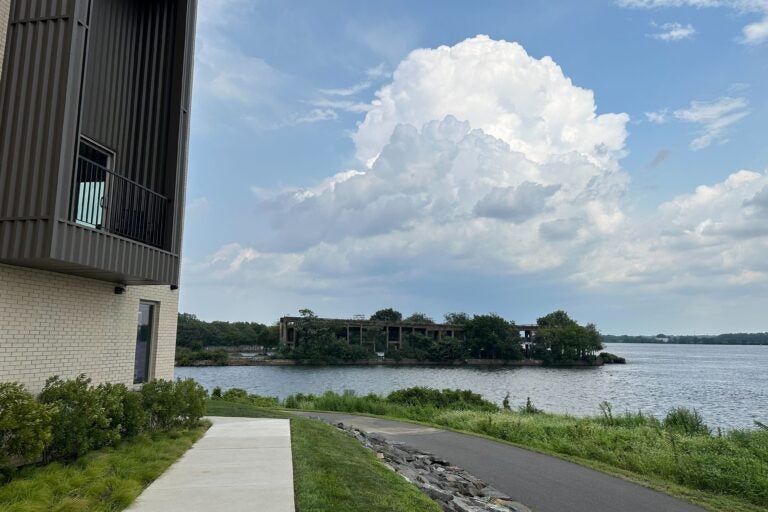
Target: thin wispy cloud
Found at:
713, 117
752, 34
673, 32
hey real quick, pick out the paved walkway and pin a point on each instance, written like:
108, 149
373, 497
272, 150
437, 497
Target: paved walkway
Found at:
241, 464
541, 482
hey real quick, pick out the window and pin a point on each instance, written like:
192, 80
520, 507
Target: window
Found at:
144, 343
91, 186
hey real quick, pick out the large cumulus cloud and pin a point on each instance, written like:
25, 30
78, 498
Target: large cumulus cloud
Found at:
480, 158
479, 150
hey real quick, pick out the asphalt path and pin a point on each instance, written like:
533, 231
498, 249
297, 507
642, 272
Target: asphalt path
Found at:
541, 482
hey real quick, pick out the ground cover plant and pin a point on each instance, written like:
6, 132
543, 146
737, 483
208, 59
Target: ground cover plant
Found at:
678, 454
84, 447
105, 480
332, 471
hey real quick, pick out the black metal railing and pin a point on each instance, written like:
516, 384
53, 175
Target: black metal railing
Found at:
104, 200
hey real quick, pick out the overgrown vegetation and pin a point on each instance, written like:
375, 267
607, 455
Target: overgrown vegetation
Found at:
558, 340
333, 471
71, 417
728, 470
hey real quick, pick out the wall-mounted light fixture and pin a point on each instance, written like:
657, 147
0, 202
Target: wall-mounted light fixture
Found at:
119, 290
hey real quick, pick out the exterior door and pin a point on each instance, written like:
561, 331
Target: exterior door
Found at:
144, 342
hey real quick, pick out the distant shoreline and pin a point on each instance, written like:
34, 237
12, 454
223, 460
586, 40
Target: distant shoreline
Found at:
496, 363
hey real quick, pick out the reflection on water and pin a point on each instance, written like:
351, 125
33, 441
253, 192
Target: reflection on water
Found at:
728, 385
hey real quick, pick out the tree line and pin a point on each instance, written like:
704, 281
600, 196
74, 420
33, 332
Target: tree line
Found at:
759, 338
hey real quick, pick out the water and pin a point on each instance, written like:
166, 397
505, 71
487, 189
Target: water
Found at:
728, 385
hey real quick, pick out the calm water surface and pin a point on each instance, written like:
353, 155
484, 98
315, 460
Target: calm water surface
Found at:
727, 384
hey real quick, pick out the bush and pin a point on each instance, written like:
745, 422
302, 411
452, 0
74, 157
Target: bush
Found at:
173, 404
81, 419
25, 426
447, 398
685, 421
241, 396
191, 398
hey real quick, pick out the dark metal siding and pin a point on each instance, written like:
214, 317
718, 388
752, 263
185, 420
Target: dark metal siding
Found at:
126, 97
33, 115
119, 72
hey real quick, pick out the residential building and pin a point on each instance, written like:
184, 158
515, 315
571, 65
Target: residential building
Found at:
94, 121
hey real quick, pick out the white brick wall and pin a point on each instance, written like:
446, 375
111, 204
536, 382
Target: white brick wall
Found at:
55, 324
5, 7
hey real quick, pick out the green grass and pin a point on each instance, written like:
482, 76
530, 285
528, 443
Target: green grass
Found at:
109, 479
726, 472
333, 471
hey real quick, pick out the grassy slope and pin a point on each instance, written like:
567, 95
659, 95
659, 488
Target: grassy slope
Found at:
727, 474
332, 471
109, 479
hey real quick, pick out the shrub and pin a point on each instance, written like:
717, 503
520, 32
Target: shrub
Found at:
135, 417
447, 398
172, 404
216, 393
81, 420
159, 401
25, 426
685, 421
242, 396
191, 398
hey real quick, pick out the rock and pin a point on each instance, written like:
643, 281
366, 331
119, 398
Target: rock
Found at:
490, 492
450, 486
436, 493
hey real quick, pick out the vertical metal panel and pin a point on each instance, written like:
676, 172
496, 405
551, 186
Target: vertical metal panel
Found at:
5, 9
126, 99
118, 71
33, 98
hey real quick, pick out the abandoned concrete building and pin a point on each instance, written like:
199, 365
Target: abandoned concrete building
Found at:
394, 334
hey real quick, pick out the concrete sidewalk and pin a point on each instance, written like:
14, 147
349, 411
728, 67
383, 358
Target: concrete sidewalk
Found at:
241, 464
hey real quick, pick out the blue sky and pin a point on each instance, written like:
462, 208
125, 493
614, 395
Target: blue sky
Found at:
607, 158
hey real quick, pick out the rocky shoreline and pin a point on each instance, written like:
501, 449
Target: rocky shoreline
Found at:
450, 486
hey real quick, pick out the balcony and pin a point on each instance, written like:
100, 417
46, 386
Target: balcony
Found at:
106, 201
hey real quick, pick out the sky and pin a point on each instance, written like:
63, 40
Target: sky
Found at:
608, 158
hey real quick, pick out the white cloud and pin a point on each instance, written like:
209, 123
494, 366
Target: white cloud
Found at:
658, 117
756, 33
712, 238
483, 168
674, 32
347, 91
495, 85
753, 33
313, 116
713, 117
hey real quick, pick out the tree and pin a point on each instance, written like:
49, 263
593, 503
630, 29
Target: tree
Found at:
387, 315
560, 338
419, 318
492, 336
457, 318
557, 318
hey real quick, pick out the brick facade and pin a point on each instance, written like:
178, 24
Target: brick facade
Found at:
5, 7
55, 324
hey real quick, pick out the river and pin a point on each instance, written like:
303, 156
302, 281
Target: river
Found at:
728, 385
